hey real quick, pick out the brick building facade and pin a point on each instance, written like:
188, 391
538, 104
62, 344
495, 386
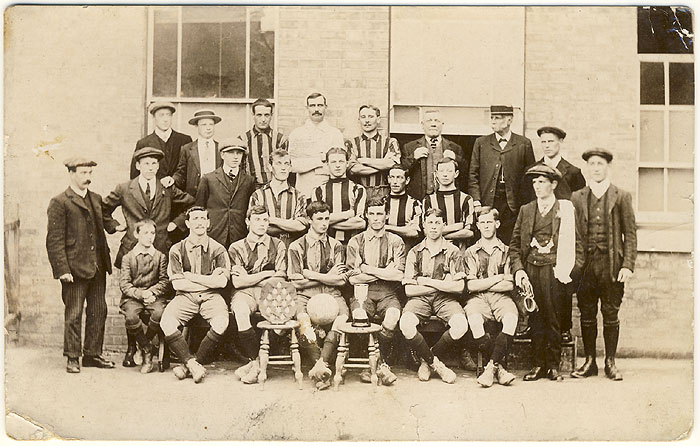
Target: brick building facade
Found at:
80, 79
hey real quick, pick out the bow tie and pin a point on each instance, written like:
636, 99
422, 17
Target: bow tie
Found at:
500, 140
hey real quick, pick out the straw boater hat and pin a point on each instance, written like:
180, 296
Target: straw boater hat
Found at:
202, 114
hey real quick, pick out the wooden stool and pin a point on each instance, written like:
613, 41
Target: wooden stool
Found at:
357, 363
293, 359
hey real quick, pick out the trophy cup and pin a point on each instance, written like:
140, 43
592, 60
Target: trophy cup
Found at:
359, 315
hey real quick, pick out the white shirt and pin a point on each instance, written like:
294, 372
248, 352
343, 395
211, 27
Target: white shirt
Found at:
599, 189
164, 135
552, 162
544, 205
230, 171
207, 155
430, 138
81, 193
506, 137
144, 182
308, 145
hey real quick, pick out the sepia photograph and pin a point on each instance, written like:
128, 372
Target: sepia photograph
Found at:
349, 222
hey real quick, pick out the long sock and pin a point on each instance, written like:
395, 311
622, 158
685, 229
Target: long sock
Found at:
179, 346
138, 335
485, 344
386, 339
310, 350
421, 348
152, 330
445, 341
500, 347
589, 333
330, 346
207, 346
249, 343
611, 333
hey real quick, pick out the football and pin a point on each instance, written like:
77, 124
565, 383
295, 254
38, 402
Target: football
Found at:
322, 309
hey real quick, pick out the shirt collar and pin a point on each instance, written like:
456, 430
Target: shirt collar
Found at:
251, 240
312, 240
257, 131
189, 245
375, 137
424, 245
230, 170
139, 249
285, 186
599, 189
391, 194
201, 142
498, 245
163, 135
552, 162
80, 193
370, 235
545, 205
143, 182
506, 136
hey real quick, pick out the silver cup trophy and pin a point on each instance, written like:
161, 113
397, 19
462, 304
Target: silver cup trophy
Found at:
359, 315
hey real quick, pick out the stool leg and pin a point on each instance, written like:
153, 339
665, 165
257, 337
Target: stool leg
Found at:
296, 358
161, 351
479, 363
264, 357
373, 350
574, 354
340, 360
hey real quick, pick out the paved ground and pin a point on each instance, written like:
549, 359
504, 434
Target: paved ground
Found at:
654, 402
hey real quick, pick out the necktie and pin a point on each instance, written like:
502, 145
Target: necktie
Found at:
433, 143
502, 142
253, 257
148, 193
323, 264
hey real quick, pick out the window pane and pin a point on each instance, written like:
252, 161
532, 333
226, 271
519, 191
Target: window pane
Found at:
682, 135
651, 144
165, 52
651, 190
263, 22
213, 51
681, 82
651, 84
680, 190
662, 29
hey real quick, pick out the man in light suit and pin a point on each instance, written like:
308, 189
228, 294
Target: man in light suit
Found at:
79, 257
422, 155
497, 167
199, 157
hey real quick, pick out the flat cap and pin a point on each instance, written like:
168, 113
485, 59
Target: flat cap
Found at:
543, 170
202, 114
154, 107
151, 152
78, 161
231, 144
603, 153
501, 109
561, 134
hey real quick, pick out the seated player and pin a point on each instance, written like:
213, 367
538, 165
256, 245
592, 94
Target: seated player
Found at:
143, 280
345, 198
199, 269
490, 283
433, 280
403, 211
255, 260
378, 258
457, 206
316, 265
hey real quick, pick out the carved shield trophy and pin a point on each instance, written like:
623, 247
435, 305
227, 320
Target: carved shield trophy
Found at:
278, 302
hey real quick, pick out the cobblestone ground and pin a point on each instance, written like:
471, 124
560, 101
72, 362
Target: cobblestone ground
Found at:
654, 402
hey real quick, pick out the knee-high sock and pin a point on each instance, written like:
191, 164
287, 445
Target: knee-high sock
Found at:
310, 349
445, 341
152, 330
207, 346
421, 348
249, 343
611, 334
589, 333
500, 348
330, 346
386, 338
139, 336
179, 346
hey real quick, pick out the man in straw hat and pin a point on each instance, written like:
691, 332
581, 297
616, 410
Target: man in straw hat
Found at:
201, 156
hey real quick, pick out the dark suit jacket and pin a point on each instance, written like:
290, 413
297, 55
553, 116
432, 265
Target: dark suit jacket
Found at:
417, 187
572, 180
227, 204
522, 236
486, 161
188, 172
622, 227
170, 148
71, 236
129, 196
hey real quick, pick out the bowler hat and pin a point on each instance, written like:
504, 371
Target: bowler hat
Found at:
231, 144
561, 134
154, 107
543, 170
78, 161
202, 114
150, 152
501, 110
603, 153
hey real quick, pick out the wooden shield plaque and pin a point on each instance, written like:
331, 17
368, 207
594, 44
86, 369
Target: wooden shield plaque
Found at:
277, 302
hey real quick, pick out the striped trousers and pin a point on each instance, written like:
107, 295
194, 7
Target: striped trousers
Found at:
75, 295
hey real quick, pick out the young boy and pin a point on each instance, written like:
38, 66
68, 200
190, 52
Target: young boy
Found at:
255, 261
345, 198
490, 283
143, 280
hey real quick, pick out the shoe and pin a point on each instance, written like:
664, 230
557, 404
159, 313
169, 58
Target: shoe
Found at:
385, 375
73, 366
320, 371
611, 370
97, 361
181, 372
252, 376
197, 370
504, 377
424, 371
486, 378
366, 376
147, 366
243, 370
323, 384
554, 375
129, 357
589, 368
138, 357
566, 337
535, 374
447, 375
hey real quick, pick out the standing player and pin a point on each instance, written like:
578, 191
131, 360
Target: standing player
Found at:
404, 212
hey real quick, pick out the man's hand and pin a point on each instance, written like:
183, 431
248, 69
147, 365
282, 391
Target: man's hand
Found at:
366, 268
477, 206
67, 278
338, 269
423, 281
523, 281
171, 226
218, 271
148, 297
167, 181
189, 275
624, 275
121, 227
420, 152
238, 270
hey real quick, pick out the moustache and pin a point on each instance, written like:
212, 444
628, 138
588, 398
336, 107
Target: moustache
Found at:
316, 113
88, 181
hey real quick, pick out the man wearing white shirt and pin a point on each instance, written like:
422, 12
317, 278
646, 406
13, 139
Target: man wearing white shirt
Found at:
309, 143
199, 157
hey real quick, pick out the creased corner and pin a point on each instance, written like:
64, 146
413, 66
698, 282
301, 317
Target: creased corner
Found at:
19, 427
